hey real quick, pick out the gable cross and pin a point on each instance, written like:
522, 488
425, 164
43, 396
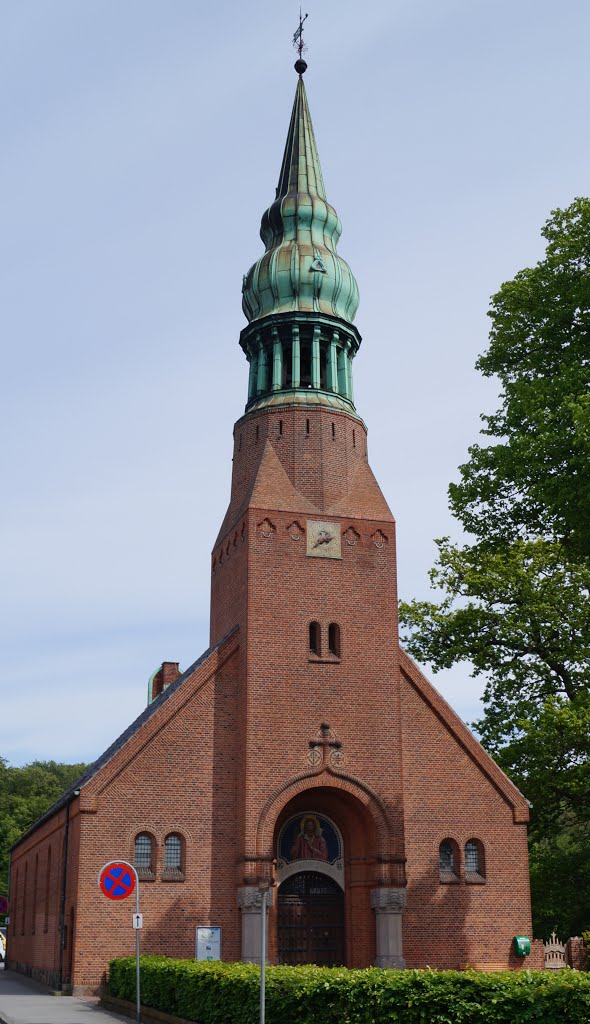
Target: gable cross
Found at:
324, 747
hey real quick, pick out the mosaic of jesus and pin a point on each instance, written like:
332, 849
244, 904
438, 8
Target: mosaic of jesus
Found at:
310, 843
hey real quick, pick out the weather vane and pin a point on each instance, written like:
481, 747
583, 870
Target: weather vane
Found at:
298, 37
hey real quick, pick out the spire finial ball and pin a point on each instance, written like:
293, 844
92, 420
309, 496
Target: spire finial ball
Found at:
300, 66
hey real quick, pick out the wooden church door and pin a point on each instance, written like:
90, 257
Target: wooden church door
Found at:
311, 920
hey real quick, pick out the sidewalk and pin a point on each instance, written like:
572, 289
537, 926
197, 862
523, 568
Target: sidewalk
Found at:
23, 1001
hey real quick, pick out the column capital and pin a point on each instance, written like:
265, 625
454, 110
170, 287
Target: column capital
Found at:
250, 899
388, 900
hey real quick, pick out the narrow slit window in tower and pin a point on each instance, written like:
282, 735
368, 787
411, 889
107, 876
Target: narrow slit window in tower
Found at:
314, 638
334, 639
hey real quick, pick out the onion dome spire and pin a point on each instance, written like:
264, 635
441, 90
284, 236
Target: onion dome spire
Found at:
300, 297
300, 269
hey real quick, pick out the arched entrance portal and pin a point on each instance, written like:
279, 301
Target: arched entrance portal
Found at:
311, 920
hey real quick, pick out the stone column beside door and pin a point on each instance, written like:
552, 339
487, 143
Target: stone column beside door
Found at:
250, 903
389, 904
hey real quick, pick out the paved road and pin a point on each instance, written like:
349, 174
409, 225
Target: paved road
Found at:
23, 1001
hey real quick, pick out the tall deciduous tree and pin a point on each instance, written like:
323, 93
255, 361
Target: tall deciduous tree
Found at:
516, 600
533, 478
25, 794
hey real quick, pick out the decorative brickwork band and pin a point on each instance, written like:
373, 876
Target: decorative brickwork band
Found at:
388, 904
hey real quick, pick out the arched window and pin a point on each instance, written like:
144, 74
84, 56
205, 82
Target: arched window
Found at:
474, 861
173, 857
334, 639
144, 856
315, 645
448, 861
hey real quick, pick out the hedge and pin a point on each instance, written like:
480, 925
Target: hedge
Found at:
224, 993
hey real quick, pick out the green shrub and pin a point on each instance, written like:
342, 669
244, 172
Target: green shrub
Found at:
222, 993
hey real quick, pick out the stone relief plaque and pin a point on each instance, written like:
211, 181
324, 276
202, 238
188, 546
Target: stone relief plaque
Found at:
324, 540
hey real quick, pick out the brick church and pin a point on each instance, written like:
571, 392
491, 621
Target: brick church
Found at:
304, 750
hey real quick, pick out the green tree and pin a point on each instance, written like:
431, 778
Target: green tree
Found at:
515, 599
25, 794
535, 480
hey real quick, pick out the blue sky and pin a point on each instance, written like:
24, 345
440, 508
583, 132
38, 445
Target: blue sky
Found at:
141, 143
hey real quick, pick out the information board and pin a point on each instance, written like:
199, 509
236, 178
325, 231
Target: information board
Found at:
208, 943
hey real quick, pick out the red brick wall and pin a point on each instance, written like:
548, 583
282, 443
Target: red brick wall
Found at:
226, 757
320, 463
179, 774
446, 795
273, 589
34, 931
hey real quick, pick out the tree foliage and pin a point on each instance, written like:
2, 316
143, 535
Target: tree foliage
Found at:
535, 479
515, 600
25, 794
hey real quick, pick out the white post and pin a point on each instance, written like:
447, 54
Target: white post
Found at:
137, 981
262, 954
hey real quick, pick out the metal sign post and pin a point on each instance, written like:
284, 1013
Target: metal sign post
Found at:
117, 880
263, 894
137, 925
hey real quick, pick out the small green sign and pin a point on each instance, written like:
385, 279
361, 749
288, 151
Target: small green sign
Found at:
522, 945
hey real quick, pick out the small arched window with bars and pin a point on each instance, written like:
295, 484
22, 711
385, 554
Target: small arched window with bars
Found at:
474, 861
145, 856
448, 861
173, 858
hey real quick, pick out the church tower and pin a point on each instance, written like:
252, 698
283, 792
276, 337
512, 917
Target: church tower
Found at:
303, 756
305, 564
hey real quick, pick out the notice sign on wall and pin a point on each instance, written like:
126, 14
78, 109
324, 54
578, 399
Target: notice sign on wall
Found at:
208, 944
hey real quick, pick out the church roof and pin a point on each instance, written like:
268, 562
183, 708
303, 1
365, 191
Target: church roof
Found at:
125, 736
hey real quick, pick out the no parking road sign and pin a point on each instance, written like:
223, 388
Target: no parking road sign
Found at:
3, 904
117, 880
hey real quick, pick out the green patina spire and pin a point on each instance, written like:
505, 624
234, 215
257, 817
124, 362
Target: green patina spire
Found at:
300, 269
300, 297
300, 170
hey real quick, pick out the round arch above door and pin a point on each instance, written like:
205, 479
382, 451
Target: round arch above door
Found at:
310, 842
